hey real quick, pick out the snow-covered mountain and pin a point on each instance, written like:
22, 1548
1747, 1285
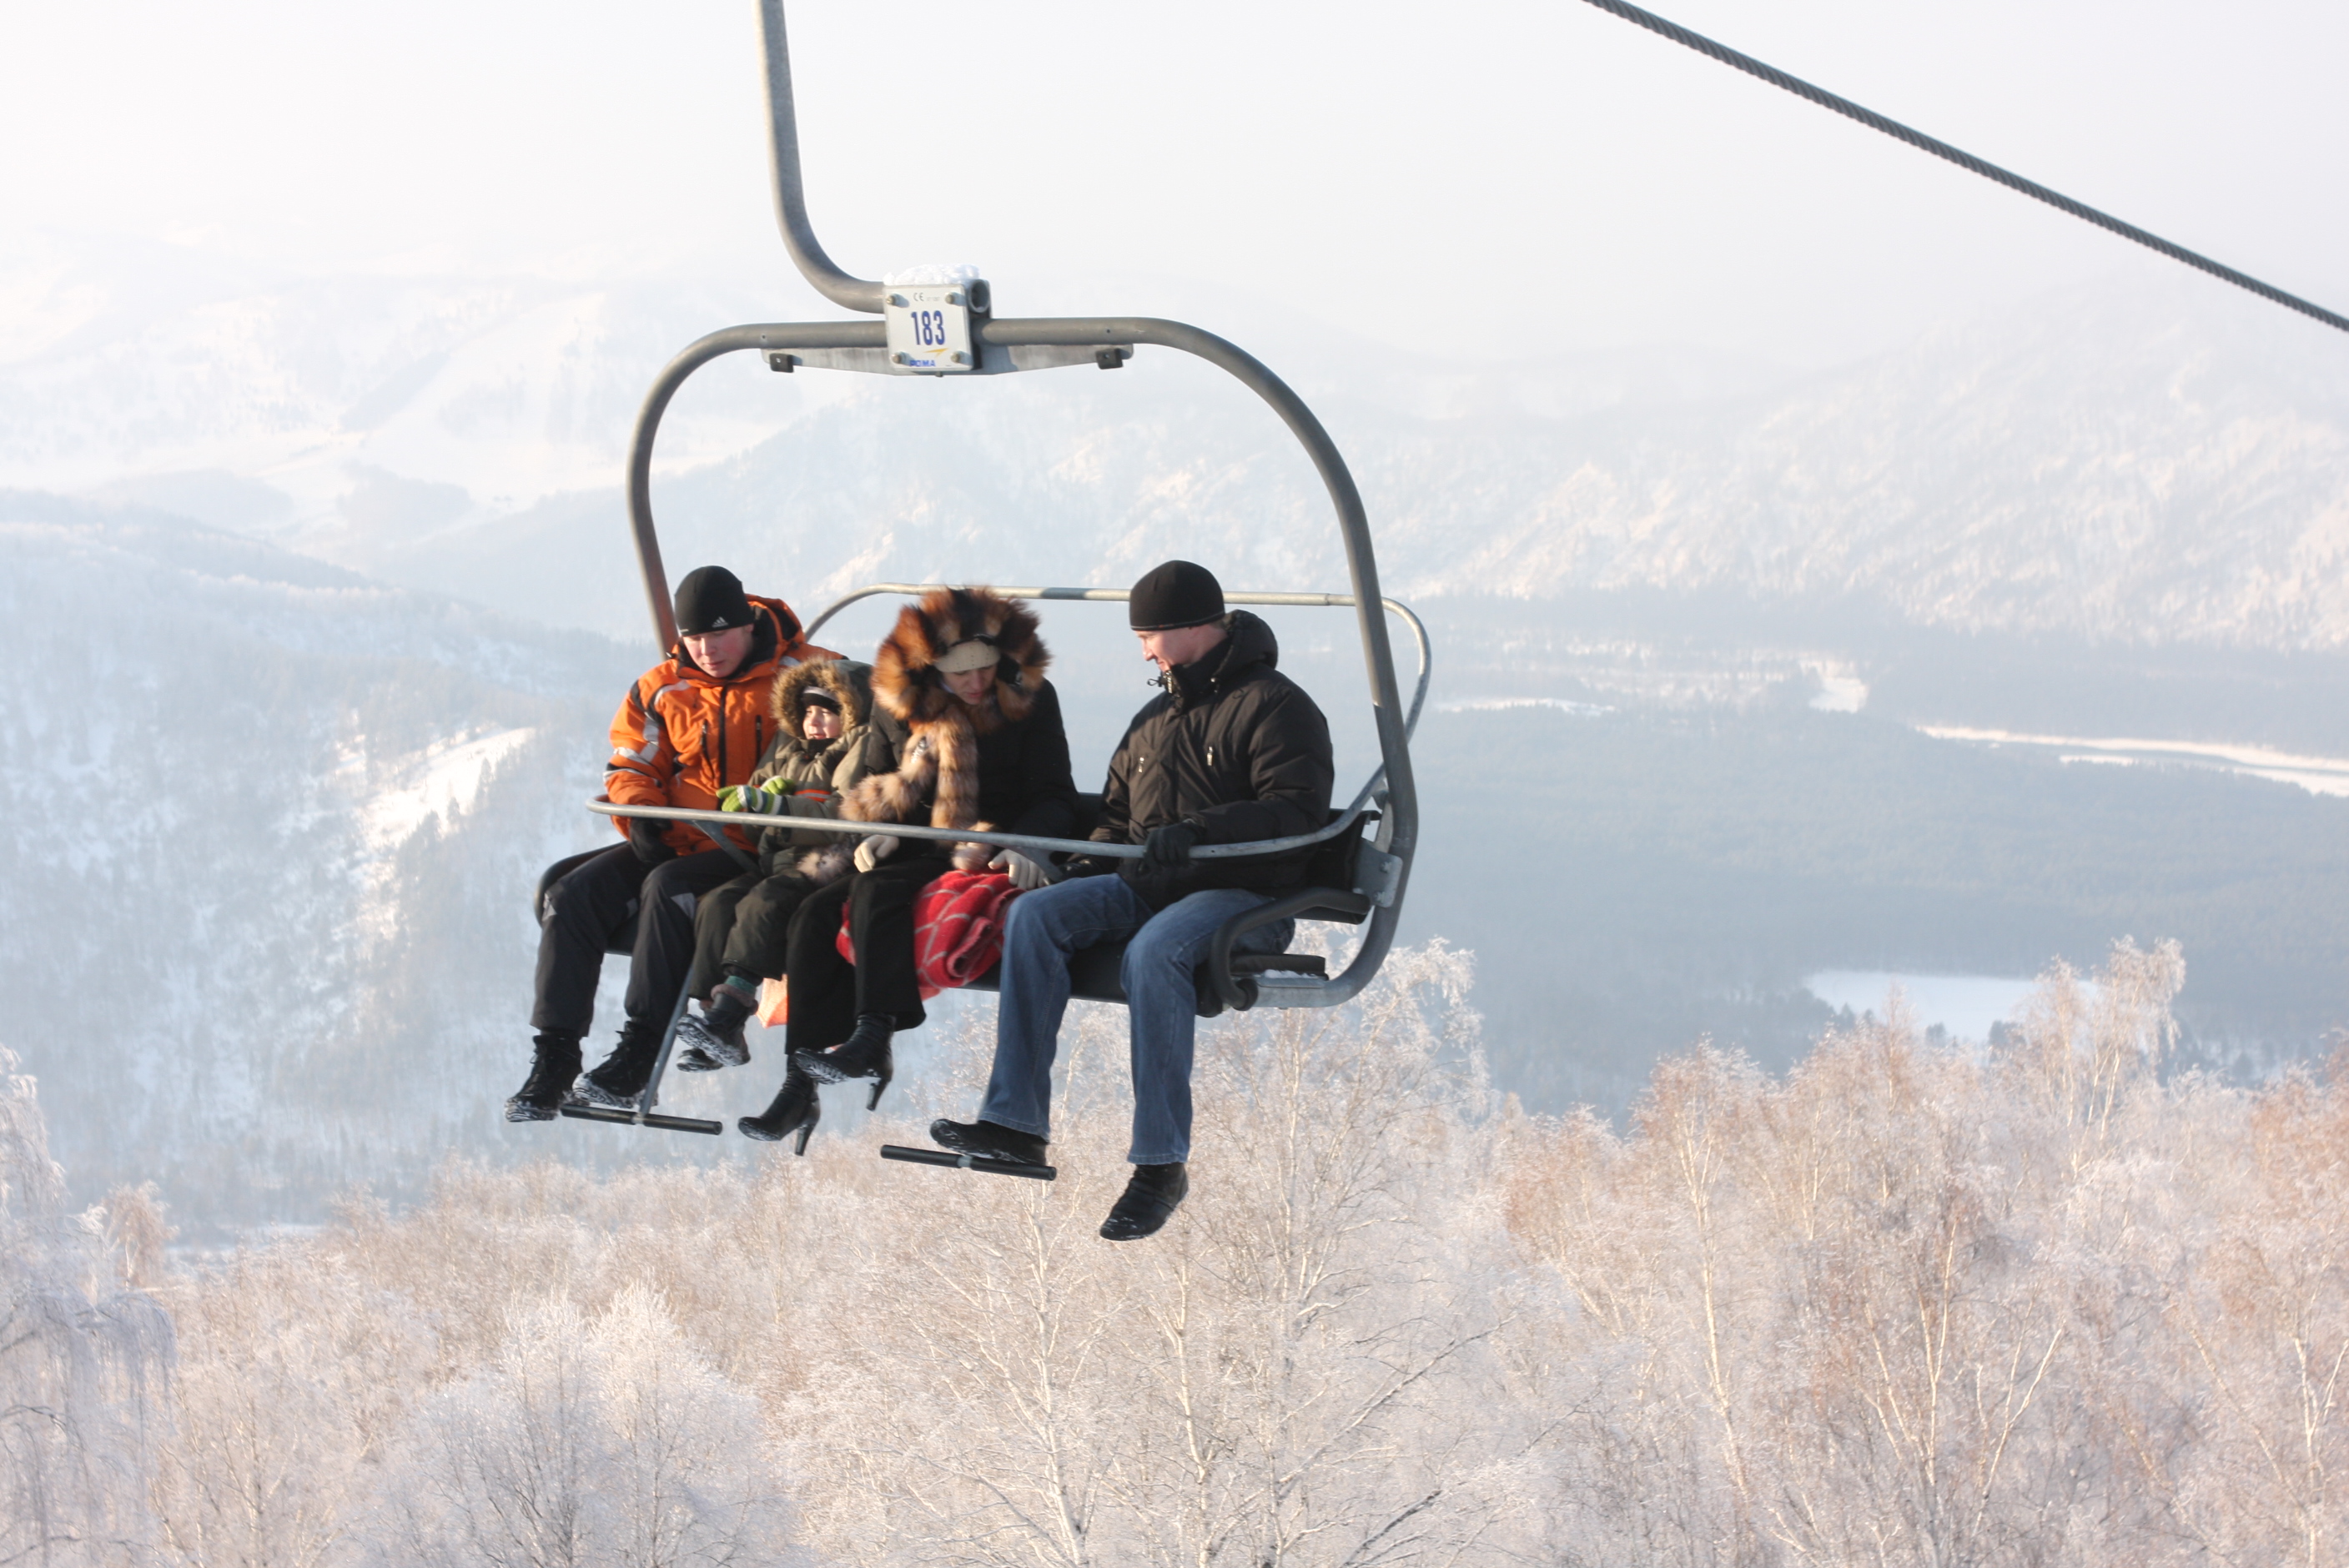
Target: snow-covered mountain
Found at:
2155, 461
2158, 461
270, 834
390, 402
2150, 465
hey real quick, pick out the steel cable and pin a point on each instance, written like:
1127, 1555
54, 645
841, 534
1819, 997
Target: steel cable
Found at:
1963, 159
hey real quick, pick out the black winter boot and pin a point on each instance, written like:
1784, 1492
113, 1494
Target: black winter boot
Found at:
554, 1062
714, 1039
795, 1110
990, 1139
864, 1054
619, 1078
1151, 1196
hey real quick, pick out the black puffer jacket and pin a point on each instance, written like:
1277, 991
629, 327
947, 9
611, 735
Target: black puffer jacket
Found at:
1234, 747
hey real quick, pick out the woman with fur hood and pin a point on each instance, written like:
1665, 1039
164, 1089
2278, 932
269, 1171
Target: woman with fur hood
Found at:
966, 734
823, 712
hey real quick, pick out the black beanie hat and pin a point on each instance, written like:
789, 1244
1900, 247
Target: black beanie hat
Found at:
1177, 593
710, 599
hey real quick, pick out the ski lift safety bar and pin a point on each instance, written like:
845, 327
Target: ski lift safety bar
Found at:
753, 822
1253, 847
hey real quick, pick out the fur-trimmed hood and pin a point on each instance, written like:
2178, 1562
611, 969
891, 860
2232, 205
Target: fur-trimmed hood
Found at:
936, 777
849, 682
905, 681
837, 765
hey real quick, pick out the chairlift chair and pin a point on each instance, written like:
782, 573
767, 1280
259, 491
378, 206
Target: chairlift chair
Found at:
947, 329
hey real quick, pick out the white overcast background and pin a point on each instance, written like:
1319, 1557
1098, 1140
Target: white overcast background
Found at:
1483, 179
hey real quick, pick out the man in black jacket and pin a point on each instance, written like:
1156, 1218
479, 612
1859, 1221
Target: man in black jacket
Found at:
1232, 752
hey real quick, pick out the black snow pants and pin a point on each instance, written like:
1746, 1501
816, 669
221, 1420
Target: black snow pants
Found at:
744, 928
600, 903
828, 992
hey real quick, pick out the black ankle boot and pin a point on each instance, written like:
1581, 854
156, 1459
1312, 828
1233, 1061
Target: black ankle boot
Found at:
619, 1078
1152, 1195
554, 1062
714, 1039
795, 1110
864, 1054
990, 1139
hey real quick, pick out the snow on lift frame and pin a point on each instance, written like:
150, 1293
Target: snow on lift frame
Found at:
945, 328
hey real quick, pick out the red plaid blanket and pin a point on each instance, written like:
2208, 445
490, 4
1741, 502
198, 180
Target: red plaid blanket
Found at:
957, 929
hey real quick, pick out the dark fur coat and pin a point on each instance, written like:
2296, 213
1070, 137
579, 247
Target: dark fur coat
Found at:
950, 764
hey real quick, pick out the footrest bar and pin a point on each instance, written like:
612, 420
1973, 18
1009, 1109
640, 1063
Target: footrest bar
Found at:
649, 1118
985, 1163
683, 1123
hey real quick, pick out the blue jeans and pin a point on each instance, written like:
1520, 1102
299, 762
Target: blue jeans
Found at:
1045, 928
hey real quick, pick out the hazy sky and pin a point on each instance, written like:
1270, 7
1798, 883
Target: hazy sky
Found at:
1494, 177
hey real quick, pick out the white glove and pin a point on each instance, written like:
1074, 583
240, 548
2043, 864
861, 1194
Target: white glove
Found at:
1027, 875
875, 850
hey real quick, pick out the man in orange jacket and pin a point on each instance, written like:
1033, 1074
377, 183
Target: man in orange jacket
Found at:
692, 725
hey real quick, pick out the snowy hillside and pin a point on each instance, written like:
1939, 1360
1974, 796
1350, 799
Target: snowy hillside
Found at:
270, 834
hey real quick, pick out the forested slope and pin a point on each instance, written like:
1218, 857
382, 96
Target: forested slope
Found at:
1903, 1305
267, 867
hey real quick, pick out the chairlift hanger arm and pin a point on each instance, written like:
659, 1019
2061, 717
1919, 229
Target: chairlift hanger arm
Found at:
1399, 830
1399, 823
790, 200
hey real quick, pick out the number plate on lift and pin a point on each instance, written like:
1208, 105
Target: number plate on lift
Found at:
929, 330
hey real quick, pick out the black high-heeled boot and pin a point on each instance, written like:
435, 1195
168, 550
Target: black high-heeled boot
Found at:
795, 1110
864, 1054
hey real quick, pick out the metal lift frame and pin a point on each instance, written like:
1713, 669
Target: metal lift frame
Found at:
1002, 347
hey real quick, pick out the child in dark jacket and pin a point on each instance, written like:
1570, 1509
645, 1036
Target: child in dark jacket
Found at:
822, 749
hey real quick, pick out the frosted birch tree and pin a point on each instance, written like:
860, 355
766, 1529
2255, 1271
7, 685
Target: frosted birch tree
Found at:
84, 1352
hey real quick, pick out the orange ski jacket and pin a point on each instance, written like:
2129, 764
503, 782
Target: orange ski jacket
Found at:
681, 735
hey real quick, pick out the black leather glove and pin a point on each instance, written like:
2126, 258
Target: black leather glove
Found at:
1167, 849
645, 837
1088, 866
